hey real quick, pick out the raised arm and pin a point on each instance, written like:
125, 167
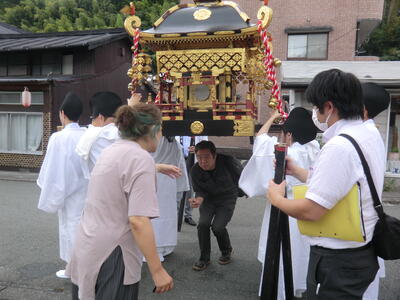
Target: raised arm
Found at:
267, 125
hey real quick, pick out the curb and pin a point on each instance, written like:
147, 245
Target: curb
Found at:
18, 176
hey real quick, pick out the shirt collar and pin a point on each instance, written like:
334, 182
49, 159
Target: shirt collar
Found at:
338, 127
370, 121
72, 126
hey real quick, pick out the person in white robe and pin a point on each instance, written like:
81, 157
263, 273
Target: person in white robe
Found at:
299, 133
103, 132
185, 142
169, 151
63, 185
376, 100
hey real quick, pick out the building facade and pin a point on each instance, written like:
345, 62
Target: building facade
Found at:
51, 65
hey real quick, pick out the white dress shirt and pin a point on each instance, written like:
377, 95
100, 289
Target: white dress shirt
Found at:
338, 167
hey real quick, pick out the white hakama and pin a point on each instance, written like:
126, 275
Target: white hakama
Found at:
63, 185
254, 182
165, 227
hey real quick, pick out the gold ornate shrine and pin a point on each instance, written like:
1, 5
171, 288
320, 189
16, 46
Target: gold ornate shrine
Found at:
210, 64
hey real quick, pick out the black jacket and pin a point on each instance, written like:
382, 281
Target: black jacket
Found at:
219, 183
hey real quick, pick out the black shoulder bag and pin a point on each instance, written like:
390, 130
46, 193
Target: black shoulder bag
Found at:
386, 239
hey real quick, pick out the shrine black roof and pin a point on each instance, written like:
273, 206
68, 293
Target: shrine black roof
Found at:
181, 19
59, 40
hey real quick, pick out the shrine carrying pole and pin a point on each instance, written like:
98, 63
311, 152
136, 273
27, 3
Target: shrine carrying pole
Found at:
278, 232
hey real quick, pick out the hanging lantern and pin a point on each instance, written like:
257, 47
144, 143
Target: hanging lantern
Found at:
26, 97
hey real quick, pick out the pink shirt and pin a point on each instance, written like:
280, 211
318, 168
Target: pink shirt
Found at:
122, 184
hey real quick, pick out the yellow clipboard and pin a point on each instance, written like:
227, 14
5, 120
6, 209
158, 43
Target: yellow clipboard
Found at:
343, 221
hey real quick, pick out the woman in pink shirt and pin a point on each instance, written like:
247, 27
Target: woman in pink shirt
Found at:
115, 227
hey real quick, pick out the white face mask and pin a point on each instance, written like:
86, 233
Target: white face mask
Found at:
323, 126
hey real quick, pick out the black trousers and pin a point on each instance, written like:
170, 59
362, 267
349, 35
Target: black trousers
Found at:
215, 213
110, 281
340, 274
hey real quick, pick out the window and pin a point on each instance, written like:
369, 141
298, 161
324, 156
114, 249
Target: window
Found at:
68, 64
19, 64
46, 63
393, 141
308, 46
14, 98
21, 132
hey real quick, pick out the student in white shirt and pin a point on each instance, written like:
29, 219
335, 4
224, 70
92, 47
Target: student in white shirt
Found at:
376, 99
337, 269
63, 186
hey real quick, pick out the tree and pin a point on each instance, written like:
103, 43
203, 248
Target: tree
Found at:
385, 40
68, 15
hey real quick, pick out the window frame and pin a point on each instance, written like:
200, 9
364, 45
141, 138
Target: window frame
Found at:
307, 49
20, 94
9, 113
32, 63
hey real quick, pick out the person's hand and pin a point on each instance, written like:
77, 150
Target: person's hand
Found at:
276, 191
275, 114
162, 281
196, 202
169, 170
134, 99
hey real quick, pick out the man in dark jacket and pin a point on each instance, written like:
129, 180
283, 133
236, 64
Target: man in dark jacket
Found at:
215, 183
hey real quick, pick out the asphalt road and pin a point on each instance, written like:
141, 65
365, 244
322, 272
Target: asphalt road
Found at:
29, 255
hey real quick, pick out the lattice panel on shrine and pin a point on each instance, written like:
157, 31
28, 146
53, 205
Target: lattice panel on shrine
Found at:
201, 60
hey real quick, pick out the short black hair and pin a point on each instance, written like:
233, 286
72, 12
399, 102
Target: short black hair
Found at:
206, 145
300, 124
72, 107
341, 88
376, 99
104, 103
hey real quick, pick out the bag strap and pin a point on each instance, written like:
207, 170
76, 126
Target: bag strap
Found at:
377, 203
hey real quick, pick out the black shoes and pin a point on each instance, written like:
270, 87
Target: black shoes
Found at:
200, 265
190, 221
226, 258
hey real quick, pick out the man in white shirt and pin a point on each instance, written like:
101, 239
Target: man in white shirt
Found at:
338, 269
63, 185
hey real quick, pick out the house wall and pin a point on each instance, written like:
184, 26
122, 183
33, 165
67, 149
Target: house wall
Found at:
100, 69
342, 15
28, 161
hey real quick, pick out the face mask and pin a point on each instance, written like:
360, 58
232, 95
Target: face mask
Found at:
323, 126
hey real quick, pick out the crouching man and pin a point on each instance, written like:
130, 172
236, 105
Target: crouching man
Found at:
215, 183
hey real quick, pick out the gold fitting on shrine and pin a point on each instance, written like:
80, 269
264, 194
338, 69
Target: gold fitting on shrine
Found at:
277, 62
268, 85
197, 127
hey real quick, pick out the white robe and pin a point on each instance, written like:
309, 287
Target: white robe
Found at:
165, 227
372, 293
63, 186
92, 144
304, 156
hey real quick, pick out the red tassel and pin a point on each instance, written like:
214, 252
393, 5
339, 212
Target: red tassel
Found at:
265, 2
